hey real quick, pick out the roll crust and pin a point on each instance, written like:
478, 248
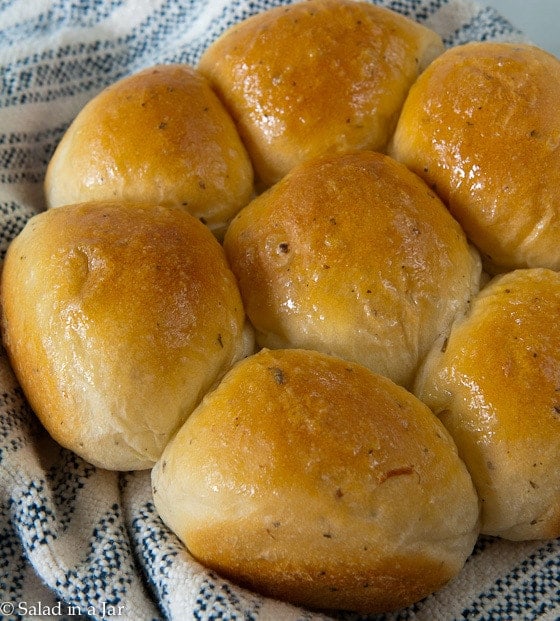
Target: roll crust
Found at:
496, 386
352, 255
323, 76
311, 479
117, 318
159, 136
482, 127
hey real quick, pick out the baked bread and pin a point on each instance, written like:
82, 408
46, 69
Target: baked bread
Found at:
159, 136
315, 77
312, 480
482, 127
495, 383
117, 318
352, 255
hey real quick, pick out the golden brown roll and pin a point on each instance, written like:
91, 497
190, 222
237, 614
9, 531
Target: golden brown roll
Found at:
495, 383
482, 127
352, 255
159, 136
315, 77
313, 480
117, 318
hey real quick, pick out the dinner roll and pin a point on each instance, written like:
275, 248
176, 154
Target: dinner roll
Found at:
158, 136
482, 127
495, 383
352, 255
315, 77
311, 479
117, 318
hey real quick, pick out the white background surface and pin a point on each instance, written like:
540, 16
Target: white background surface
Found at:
538, 19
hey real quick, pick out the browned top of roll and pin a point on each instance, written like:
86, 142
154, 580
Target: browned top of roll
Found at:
496, 385
482, 127
352, 254
161, 136
317, 76
312, 479
117, 317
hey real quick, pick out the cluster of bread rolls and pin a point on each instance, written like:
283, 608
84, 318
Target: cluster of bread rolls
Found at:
266, 277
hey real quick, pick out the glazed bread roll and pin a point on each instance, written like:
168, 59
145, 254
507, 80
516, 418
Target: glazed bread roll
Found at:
312, 480
352, 255
117, 318
159, 136
496, 386
482, 127
315, 77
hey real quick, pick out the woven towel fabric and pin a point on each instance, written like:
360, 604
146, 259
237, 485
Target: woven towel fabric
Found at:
80, 542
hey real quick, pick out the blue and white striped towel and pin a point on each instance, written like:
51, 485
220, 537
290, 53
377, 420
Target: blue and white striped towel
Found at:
80, 542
